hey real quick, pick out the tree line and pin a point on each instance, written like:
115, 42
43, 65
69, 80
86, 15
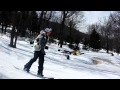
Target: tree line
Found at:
108, 34
63, 23
105, 35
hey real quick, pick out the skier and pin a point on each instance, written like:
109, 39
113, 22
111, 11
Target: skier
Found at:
39, 46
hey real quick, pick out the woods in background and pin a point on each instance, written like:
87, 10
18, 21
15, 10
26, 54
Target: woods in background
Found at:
101, 35
29, 23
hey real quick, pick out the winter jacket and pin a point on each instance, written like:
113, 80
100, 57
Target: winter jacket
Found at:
40, 42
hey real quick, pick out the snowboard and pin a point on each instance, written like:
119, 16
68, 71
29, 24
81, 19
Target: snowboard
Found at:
31, 73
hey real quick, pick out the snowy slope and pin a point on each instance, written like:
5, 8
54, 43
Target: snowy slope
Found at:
56, 65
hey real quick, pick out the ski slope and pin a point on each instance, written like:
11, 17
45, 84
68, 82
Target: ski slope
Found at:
56, 65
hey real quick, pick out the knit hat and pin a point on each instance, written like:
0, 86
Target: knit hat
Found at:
48, 30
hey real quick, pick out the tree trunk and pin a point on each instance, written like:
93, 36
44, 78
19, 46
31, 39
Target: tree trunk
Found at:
70, 35
2, 27
16, 34
13, 29
61, 30
5, 29
107, 44
22, 32
47, 23
12, 36
41, 19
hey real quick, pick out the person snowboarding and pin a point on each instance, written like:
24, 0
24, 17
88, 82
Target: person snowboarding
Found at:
39, 46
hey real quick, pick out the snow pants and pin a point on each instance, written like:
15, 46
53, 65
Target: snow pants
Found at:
37, 54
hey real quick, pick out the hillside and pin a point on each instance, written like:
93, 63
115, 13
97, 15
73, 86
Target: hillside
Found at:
56, 64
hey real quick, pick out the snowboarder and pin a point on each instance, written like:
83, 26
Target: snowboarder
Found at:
39, 46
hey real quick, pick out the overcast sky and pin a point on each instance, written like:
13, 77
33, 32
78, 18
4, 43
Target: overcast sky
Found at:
94, 16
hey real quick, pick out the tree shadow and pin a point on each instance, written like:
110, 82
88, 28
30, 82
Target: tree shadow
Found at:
6, 42
8, 51
24, 50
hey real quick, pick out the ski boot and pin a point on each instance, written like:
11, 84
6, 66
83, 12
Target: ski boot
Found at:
26, 69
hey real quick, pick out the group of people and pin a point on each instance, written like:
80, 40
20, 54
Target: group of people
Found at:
39, 52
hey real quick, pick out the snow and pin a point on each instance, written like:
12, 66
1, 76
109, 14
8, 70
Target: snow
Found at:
56, 64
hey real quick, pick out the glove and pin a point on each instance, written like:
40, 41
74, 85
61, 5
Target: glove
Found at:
46, 47
37, 39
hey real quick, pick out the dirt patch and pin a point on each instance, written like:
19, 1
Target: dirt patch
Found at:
97, 60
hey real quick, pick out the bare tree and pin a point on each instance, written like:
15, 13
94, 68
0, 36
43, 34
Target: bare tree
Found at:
48, 17
73, 21
115, 20
13, 28
92, 27
19, 18
110, 32
64, 15
40, 19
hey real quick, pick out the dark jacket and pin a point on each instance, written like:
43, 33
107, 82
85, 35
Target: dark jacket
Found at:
40, 43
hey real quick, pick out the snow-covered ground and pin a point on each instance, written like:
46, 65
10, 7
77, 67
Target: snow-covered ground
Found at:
56, 65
